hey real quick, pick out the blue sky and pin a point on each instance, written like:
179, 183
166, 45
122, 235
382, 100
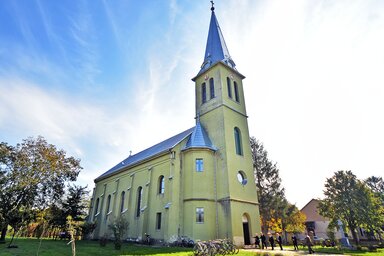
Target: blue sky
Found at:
102, 78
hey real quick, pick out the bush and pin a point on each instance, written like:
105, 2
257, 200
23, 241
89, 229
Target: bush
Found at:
87, 228
118, 226
372, 248
103, 241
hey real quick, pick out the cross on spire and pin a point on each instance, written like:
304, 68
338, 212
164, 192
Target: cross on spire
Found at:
212, 8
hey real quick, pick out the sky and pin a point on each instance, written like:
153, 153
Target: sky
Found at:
100, 79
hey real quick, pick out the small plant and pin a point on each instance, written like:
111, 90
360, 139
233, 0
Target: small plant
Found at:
71, 230
372, 248
119, 227
87, 228
103, 241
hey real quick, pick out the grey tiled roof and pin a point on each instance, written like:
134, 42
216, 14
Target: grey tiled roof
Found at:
199, 138
147, 153
216, 49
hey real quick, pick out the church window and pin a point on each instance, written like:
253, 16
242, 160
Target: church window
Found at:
158, 220
139, 198
236, 91
122, 201
108, 205
229, 88
212, 88
200, 215
203, 93
242, 178
238, 146
96, 207
199, 165
161, 186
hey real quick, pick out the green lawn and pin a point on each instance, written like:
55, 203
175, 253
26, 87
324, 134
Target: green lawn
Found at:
329, 250
363, 252
29, 246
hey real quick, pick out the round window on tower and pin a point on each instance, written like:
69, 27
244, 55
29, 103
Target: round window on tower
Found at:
242, 178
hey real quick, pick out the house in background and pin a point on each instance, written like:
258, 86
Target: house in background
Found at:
318, 224
315, 222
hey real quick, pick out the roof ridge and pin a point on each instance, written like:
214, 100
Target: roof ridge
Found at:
147, 153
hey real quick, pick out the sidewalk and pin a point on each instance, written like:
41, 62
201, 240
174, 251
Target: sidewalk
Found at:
287, 252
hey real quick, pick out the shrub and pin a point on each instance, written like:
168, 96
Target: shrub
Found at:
103, 241
372, 248
87, 228
118, 226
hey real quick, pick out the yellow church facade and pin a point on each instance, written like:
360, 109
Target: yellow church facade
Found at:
197, 184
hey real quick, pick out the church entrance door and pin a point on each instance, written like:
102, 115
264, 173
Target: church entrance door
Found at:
247, 239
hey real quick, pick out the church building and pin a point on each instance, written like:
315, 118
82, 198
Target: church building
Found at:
199, 183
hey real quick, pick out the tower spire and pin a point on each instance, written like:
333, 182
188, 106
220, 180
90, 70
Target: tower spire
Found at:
216, 49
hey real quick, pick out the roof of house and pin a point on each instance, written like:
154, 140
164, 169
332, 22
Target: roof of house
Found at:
311, 211
161, 147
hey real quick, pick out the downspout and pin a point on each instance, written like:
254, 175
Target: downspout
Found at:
215, 189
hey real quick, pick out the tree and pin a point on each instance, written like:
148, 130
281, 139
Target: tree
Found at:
33, 176
75, 204
292, 219
268, 182
376, 220
376, 184
349, 200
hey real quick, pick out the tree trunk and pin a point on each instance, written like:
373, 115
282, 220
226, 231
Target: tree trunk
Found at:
10, 243
354, 235
3, 233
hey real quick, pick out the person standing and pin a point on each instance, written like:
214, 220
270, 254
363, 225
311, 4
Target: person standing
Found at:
308, 242
279, 241
271, 241
257, 241
263, 241
294, 241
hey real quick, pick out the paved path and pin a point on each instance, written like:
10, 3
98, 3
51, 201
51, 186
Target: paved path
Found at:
288, 252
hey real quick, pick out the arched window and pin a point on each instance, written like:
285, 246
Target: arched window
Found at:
236, 91
203, 93
96, 207
122, 201
161, 186
238, 146
139, 198
108, 205
229, 87
212, 88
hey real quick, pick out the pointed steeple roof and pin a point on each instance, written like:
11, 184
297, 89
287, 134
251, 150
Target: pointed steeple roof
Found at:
199, 138
216, 49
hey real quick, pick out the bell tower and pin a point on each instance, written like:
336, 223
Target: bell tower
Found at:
220, 107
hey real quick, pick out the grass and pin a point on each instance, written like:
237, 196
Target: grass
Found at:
29, 246
363, 252
330, 250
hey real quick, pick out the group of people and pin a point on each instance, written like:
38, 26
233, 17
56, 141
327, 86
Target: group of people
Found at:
271, 240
